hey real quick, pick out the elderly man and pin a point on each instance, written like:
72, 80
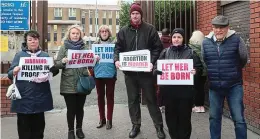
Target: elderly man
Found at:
138, 36
225, 54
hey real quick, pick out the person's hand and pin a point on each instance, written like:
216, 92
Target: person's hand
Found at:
97, 57
193, 71
151, 66
117, 64
64, 60
16, 70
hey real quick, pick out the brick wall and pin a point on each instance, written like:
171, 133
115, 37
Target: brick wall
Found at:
252, 71
5, 103
206, 11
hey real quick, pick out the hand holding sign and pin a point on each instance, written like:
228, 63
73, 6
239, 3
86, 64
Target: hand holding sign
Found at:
64, 60
117, 64
16, 70
193, 71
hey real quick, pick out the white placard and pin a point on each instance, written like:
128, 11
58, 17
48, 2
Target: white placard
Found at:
105, 52
33, 66
80, 58
135, 60
175, 72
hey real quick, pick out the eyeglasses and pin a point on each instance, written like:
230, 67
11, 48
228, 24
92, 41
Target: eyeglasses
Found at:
103, 31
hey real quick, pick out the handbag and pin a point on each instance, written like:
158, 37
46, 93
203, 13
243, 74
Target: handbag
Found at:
12, 91
85, 84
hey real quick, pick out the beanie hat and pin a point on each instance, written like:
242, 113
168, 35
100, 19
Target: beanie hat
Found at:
136, 7
178, 30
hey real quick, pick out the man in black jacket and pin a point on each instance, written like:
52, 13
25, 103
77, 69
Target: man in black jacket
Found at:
138, 36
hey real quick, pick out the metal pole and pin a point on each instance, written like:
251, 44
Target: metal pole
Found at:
96, 16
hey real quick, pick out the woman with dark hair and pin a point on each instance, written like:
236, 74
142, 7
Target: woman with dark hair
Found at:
178, 99
36, 96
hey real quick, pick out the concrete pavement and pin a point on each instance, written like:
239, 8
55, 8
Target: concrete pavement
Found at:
56, 125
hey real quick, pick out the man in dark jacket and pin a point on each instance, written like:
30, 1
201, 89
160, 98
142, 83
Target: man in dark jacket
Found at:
225, 54
138, 36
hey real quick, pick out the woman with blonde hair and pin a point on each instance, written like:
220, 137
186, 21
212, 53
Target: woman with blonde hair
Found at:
105, 76
69, 77
199, 79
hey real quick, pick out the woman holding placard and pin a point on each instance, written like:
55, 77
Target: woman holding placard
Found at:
178, 99
35, 93
105, 76
73, 40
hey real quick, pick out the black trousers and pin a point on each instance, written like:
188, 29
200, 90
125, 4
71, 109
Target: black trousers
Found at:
200, 91
178, 118
146, 83
31, 126
75, 108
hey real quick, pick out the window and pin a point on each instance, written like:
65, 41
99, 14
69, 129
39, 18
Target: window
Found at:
72, 12
117, 14
57, 12
55, 36
117, 28
90, 28
104, 21
83, 14
90, 21
110, 27
55, 28
96, 21
63, 30
83, 29
49, 33
104, 14
62, 35
83, 21
90, 34
110, 21
110, 14
117, 21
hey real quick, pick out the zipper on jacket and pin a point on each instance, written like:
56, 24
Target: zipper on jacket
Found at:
136, 39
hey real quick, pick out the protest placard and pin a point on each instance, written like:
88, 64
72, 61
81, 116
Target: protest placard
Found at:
33, 66
175, 72
80, 58
135, 60
105, 52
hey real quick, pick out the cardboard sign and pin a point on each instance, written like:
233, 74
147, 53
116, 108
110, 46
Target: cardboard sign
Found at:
33, 66
135, 60
105, 52
80, 58
175, 72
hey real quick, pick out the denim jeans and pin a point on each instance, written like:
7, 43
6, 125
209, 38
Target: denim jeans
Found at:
234, 97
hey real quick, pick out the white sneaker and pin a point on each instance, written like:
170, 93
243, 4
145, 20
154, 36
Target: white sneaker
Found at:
196, 109
202, 109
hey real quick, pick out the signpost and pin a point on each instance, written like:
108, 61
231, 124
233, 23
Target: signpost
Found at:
15, 15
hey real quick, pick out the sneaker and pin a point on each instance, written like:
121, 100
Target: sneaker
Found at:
202, 109
196, 109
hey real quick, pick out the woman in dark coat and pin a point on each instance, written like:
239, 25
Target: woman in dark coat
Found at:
36, 96
178, 99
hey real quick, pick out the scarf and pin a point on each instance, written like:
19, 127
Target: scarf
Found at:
74, 45
135, 26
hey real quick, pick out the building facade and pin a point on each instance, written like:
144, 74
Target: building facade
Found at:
90, 17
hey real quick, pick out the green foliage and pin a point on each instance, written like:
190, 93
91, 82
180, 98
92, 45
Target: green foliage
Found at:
124, 17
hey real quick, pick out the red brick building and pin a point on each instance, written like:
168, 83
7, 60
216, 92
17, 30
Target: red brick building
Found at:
245, 19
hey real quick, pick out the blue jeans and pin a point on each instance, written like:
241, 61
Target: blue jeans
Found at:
234, 97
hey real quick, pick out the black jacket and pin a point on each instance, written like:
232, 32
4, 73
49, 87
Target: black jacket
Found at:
182, 52
130, 39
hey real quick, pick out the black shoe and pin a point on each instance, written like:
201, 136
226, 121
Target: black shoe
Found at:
134, 132
160, 132
71, 134
101, 123
80, 133
109, 124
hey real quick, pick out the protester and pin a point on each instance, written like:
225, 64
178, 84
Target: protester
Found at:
69, 77
178, 99
36, 97
166, 38
140, 35
105, 76
200, 79
225, 54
